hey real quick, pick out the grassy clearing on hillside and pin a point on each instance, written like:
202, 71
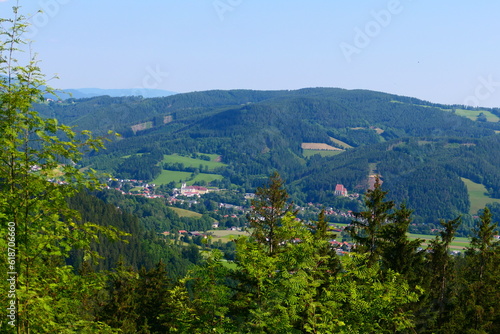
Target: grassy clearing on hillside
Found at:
226, 235
472, 114
319, 146
323, 153
190, 162
456, 244
379, 131
168, 176
186, 213
477, 196
340, 143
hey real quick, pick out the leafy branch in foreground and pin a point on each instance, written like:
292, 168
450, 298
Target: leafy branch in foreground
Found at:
38, 172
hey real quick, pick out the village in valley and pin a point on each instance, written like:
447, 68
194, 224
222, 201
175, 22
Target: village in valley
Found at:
231, 217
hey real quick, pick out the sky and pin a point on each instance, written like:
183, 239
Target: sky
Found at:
440, 51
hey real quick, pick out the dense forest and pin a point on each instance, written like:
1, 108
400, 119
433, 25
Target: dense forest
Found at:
81, 258
409, 143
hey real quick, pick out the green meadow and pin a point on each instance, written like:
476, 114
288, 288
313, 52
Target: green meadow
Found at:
226, 235
477, 196
190, 162
472, 114
341, 143
458, 243
168, 176
185, 213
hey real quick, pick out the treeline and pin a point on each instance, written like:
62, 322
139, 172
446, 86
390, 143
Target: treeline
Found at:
411, 143
140, 167
423, 172
154, 214
144, 246
289, 279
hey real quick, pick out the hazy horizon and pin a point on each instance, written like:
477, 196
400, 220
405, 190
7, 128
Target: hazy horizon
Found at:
442, 52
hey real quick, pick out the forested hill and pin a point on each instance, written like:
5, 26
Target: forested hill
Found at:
422, 150
327, 108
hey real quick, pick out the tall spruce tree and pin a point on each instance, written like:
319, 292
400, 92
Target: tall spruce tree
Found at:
398, 252
478, 306
268, 209
366, 228
435, 310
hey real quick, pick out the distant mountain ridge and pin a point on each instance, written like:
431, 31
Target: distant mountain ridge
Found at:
422, 150
93, 92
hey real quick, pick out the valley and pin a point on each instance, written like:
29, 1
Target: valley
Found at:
315, 138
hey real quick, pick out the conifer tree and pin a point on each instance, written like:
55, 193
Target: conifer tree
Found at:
152, 298
399, 253
366, 229
478, 306
268, 209
435, 310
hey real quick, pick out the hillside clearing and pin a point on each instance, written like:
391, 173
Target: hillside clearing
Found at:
191, 162
477, 196
379, 131
341, 143
473, 114
319, 146
185, 213
226, 235
178, 177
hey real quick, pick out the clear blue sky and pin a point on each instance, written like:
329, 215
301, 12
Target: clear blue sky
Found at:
442, 51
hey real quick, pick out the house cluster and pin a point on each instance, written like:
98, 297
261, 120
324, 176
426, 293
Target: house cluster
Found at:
137, 187
230, 206
52, 100
184, 232
341, 247
346, 214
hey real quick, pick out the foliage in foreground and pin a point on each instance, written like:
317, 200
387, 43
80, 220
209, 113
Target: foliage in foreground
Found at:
288, 277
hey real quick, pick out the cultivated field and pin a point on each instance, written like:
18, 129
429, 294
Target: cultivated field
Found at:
319, 146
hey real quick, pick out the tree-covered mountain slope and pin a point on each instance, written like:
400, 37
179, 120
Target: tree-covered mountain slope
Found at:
421, 149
